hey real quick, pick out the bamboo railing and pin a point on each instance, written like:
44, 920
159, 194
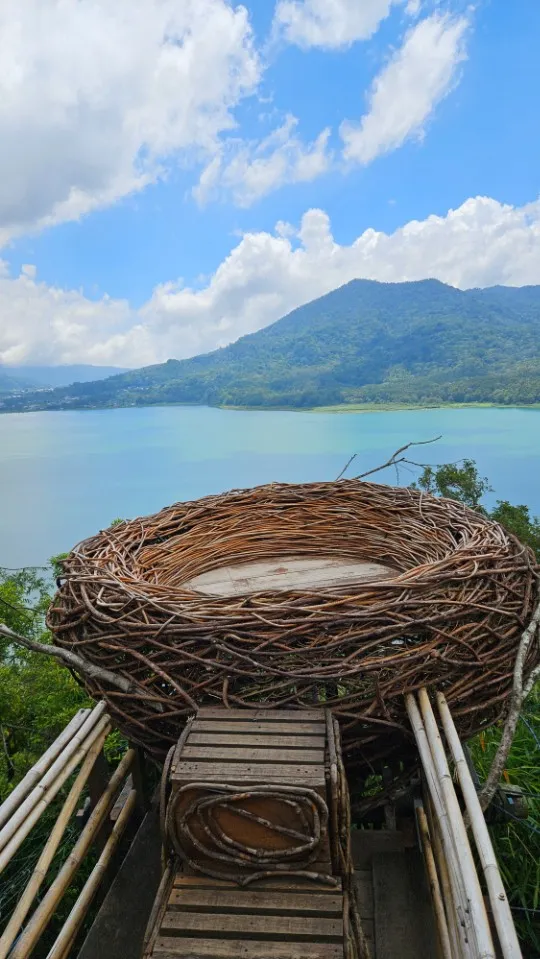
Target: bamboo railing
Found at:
78, 751
459, 907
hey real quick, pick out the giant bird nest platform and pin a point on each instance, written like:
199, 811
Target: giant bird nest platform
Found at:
448, 611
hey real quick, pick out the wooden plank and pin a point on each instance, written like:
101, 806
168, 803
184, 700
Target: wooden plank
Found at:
192, 948
281, 741
422, 902
256, 772
182, 881
242, 900
253, 754
322, 865
364, 888
287, 573
258, 715
399, 925
118, 929
258, 726
369, 932
244, 926
367, 843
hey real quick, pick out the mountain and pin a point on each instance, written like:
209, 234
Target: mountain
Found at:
64, 375
11, 383
421, 342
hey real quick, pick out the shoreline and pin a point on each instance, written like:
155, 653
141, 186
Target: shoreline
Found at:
374, 407
337, 409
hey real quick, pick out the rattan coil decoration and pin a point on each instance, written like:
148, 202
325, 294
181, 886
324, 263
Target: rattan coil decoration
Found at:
451, 616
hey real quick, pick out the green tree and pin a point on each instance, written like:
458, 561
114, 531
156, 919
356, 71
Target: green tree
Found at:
38, 696
460, 481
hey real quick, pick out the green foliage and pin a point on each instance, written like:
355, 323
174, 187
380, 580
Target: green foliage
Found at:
459, 481
410, 343
517, 843
518, 520
38, 696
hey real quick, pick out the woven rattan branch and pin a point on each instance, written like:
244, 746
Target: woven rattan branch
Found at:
451, 616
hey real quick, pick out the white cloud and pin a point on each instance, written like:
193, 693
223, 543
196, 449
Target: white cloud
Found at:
96, 96
409, 87
481, 243
251, 170
413, 7
330, 23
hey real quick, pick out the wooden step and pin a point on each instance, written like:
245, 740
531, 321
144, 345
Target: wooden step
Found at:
206, 918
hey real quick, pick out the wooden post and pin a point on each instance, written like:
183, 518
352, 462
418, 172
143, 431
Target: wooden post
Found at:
139, 773
434, 885
97, 783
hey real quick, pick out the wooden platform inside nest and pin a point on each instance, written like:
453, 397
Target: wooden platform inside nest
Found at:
287, 573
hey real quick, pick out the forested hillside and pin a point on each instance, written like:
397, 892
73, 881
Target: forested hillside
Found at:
12, 381
14, 378
367, 342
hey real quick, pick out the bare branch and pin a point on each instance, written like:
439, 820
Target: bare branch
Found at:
396, 458
70, 659
346, 467
517, 698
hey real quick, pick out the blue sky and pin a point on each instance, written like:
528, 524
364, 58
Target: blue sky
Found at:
329, 118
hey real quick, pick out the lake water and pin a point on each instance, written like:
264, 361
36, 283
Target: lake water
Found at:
64, 476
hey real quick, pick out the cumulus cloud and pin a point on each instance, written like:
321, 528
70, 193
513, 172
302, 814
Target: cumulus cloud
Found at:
412, 83
330, 23
481, 243
251, 170
96, 97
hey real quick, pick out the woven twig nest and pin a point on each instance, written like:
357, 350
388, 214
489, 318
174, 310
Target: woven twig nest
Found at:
449, 614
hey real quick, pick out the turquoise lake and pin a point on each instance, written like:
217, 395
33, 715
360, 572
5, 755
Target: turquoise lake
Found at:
64, 476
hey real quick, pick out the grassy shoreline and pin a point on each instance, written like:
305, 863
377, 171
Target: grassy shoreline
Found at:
381, 407
338, 409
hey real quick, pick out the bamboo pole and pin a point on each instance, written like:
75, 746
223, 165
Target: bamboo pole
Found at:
497, 894
43, 914
21, 813
441, 814
32, 888
73, 923
446, 884
438, 906
468, 868
34, 774
46, 798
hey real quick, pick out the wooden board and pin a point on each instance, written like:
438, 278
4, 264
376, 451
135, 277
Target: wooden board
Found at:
264, 900
288, 573
209, 918
267, 715
169, 948
250, 754
265, 728
183, 881
402, 928
279, 741
245, 925
236, 773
